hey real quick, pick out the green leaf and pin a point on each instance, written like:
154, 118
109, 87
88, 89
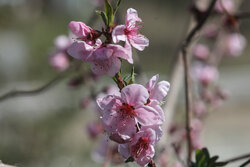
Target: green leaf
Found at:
103, 16
109, 13
203, 159
133, 75
117, 5
218, 164
130, 159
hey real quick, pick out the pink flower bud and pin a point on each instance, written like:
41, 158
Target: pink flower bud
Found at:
235, 44
199, 108
62, 42
196, 126
59, 61
201, 51
223, 6
94, 129
210, 31
205, 74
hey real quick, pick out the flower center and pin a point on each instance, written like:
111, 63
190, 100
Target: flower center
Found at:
127, 109
142, 144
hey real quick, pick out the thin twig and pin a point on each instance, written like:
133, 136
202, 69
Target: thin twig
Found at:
238, 158
47, 86
177, 155
245, 163
51, 83
184, 47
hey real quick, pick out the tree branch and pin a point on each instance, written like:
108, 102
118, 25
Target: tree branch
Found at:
17, 93
238, 158
245, 163
47, 86
184, 47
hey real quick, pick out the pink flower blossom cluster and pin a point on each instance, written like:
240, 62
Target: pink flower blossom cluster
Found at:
105, 56
133, 118
59, 59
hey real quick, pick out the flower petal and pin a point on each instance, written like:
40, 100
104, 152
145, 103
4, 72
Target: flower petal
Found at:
123, 149
152, 82
147, 115
160, 91
115, 66
139, 41
79, 29
118, 34
135, 95
102, 61
132, 18
80, 50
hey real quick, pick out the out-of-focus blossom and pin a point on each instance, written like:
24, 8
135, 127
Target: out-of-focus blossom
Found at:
201, 51
121, 115
141, 147
62, 42
157, 91
130, 31
85, 102
223, 6
94, 129
59, 61
235, 44
210, 31
59, 58
205, 74
177, 134
196, 128
199, 108
100, 153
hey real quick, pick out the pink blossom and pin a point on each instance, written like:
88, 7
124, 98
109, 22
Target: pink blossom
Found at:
99, 154
210, 31
196, 127
157, 91
94, 129
199, 108
141, 147
79, 29
130, 31
59, 61
205, 74
103, 59
223, 6
235, 44
201, 51
62, 42
121, 115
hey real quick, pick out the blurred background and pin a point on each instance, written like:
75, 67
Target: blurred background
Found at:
49, 129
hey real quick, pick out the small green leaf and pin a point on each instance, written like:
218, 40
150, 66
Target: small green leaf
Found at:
109, 13
117, 5
218, 164
103, 16
130, 159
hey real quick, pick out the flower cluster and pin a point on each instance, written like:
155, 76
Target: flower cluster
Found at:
105, 56
59, 59
133, 118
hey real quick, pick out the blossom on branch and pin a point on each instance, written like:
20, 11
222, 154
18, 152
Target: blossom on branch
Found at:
130, 31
